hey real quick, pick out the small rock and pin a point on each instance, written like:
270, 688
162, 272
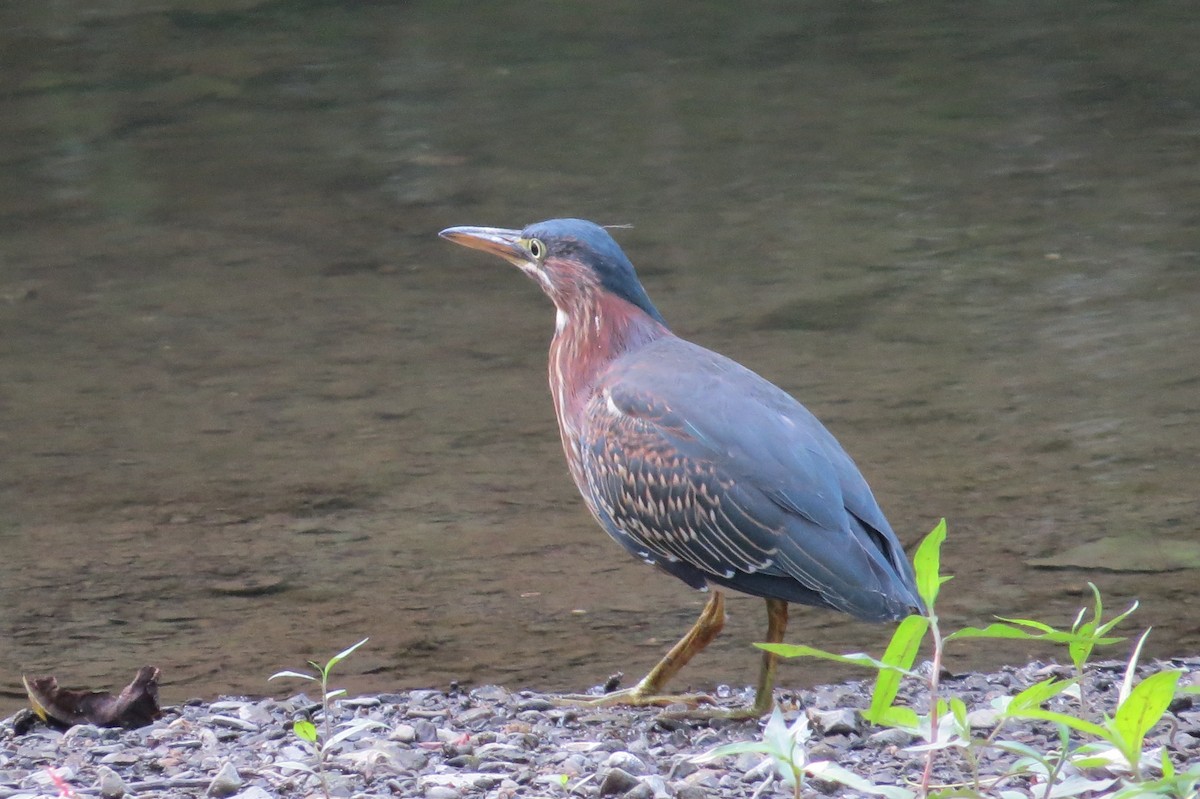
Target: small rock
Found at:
47, 775
110, 783
657, 786
490, 693
840, 721
705, 779
360, 701
685, 791
763, 768
828, 749
640, 791
441, 792
426, 730
459, 781
618, 781
255, 714
411, 759
449, 735
505, 752
475, 714
747, 761
120, 759
626, 761
83, 731
890, 737
253, 792
574, 765
226, 782
231, 723
404, 733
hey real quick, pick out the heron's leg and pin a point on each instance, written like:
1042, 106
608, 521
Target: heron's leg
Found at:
707, 627
648, 690
764, 694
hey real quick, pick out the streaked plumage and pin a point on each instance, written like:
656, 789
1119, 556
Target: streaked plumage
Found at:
692, 462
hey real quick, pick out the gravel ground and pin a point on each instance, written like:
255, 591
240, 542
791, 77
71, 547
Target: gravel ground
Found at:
494, 743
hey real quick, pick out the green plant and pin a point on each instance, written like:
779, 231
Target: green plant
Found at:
306, 731
785, 749
1114, 765
1081, 639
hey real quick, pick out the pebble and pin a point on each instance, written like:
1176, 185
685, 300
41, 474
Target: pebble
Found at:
254, 792
640, 791
232, 723
441, 792
226, 782
405, 733
110, 783
627, 762
838, 721
497, 744
890, 737
617, 782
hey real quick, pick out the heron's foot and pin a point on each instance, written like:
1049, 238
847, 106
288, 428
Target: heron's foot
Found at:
749, 713
633, 697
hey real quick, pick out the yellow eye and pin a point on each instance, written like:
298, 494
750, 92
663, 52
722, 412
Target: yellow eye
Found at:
537, 249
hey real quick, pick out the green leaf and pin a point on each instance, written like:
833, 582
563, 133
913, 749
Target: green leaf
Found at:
345, 653
959, 709
296, 674
738, 748
1108, 625
1038, 693
1068, 721
1006, 630
1018, 748
902, 718
1098, 613
831, 772
857, 659
1142, 710
927, 564
1081, 648
1131, 669
899, 657
1037, 625
305, 731
1168, 766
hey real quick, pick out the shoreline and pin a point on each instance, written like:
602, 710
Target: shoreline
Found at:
495, 743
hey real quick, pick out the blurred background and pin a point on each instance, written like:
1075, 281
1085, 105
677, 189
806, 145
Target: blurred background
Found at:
252, 409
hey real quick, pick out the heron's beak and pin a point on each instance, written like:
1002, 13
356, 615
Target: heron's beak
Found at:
494, 240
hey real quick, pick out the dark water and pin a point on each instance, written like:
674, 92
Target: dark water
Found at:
254, 410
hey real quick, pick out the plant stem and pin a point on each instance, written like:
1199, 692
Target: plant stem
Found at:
934, 680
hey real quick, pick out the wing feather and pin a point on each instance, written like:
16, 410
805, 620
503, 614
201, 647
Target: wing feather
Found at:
728, 479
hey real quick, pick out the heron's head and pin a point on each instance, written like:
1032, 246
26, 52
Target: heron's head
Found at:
573, 260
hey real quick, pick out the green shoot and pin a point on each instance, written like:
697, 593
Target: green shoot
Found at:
785, 749
305, 730
946, 725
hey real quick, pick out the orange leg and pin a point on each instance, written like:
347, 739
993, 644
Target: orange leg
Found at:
649, 690
764, 694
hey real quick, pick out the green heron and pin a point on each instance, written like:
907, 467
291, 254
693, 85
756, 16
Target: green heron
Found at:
694, 463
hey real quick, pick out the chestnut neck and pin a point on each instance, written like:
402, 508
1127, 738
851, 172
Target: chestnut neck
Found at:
595, 330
